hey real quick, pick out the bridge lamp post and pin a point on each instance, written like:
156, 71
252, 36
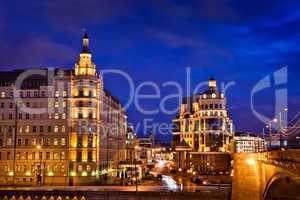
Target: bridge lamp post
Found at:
270, 132
280, 126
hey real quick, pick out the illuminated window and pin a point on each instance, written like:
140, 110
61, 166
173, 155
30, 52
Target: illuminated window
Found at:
56, 104
27, 129
62, 155
56, 93
56, 156
56, 116
63, 129
63, 142
55, 129
65, 93
8, 141
2, 94
63, 116
55, 141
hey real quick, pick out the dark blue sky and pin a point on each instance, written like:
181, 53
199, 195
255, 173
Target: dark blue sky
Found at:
241, 41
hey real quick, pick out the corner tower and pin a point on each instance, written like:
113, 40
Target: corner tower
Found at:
85, 66
85, 119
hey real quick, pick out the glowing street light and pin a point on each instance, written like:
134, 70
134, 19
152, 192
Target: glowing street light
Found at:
251, 161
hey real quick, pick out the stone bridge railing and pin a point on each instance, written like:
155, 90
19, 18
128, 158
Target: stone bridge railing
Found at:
286, 159
255, 173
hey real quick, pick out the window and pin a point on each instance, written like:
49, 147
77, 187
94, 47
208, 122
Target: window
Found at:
19, 142
56, 93
49, 129
27, 116
2, 94
63, 142
43, 93
18, 156
56, 116
10, 116
48, 155
26, 142
63, 129
56, 105
8, 141
27, 129
41, 129
34, 129
62, 155
48, 141
8, 155
63, 116
56, 156
55, 141
55, 129
1, 142
65, 93
88, 168
11, 105
28, 94
35, 94
2, 105
20, 115
34, 141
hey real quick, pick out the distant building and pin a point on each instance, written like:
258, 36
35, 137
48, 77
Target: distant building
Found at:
203, 132
59, 127
247, 143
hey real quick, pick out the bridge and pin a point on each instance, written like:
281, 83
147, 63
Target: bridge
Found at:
267, 175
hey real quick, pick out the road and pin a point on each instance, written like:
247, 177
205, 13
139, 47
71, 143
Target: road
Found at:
176, 183
169, 183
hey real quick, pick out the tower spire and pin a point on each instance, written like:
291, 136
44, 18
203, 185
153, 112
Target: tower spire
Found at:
85, 66
85, 43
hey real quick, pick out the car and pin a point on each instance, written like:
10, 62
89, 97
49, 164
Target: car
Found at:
197, 181
159, 177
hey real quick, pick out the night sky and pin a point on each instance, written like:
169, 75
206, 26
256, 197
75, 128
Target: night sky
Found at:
156, 40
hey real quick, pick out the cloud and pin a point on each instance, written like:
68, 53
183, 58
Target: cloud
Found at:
74, 15
173, 40
40, 51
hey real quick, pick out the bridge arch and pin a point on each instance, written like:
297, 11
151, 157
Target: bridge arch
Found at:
280, 185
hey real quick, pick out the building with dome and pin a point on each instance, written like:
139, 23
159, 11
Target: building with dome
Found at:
203, 133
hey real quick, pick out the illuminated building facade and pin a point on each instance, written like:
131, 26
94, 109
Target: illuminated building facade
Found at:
247, 143
203, 132
55, 124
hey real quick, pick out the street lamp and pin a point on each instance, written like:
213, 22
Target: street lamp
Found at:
270, 130
280, 127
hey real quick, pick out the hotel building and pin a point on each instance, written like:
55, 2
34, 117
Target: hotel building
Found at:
248, 143
203, 133
59, 126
